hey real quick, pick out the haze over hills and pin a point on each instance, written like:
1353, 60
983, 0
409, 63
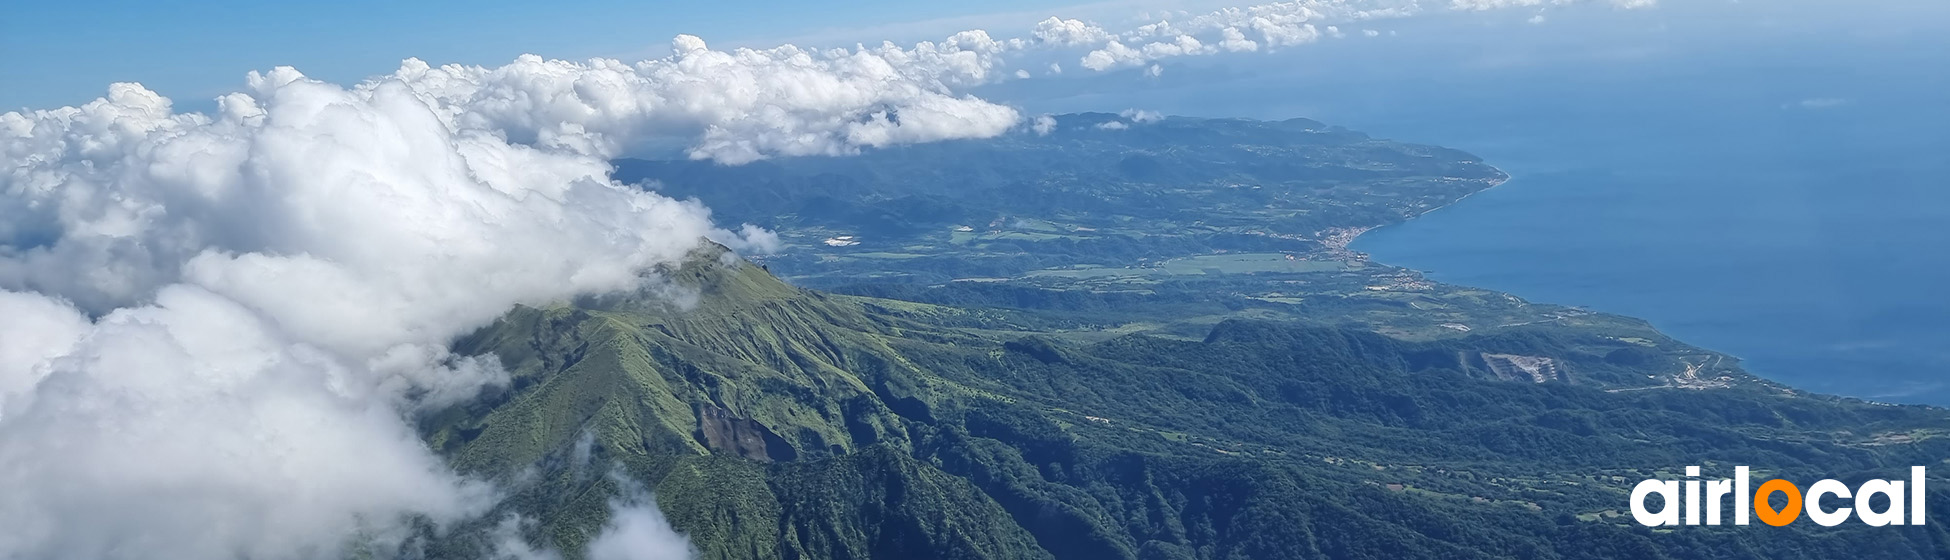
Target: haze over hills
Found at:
1057, 417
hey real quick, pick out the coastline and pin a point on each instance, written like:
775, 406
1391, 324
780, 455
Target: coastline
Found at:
1494, 183
1736, 362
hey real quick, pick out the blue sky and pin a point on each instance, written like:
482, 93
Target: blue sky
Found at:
55, 53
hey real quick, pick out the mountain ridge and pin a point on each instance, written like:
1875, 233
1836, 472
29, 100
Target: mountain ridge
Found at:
1263, 440
1198, 369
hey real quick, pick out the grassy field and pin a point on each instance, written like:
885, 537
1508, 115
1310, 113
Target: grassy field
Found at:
1204, 265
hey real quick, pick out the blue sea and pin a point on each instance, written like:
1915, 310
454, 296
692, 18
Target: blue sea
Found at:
1768, 181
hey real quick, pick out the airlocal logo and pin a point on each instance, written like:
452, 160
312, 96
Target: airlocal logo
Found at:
1757, 501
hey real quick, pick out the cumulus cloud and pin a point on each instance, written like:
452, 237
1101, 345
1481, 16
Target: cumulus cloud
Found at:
740, 105
189, 428
218, 326
1262, 27
1274, 25
1068, 32
1043, 125
1233, 40
1112, 55
1500, 4
637, 530
263, 296
215, 328
37, 329
1141, 116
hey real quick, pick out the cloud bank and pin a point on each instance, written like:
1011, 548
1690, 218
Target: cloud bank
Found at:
1258, 28
215, 329
218, 326
736, 106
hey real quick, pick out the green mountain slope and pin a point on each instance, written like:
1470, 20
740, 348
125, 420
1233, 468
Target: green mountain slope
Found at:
776, 422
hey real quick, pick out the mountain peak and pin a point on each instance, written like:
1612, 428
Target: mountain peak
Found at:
711, 277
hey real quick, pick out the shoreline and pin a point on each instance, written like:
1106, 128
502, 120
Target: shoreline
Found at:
1739, 363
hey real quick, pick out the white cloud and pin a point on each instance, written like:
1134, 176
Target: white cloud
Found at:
1233, 40
1114, 54
1069, 32
637, 531
1044, 125
274, 287
37, 329
1183, 45
217, 325
1284, 35
1500, 4
1262, 27
275, 282
1274, 25
751, 240
1141, 116
743, 105
191, 429
509, 544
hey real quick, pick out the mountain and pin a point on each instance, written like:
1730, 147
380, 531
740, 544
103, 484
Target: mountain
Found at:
773, 421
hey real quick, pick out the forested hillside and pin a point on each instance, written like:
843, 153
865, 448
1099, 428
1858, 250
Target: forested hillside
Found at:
772, 421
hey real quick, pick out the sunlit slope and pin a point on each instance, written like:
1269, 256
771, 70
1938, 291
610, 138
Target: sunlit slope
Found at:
645, 374
698, 398
778, 422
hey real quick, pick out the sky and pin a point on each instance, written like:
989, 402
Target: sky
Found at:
64, 53
55, 54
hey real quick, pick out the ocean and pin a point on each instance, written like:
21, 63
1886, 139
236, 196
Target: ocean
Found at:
1760, 181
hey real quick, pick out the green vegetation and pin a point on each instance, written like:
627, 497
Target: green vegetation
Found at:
777, 422
1142, 344
1238, 214
1021, 203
